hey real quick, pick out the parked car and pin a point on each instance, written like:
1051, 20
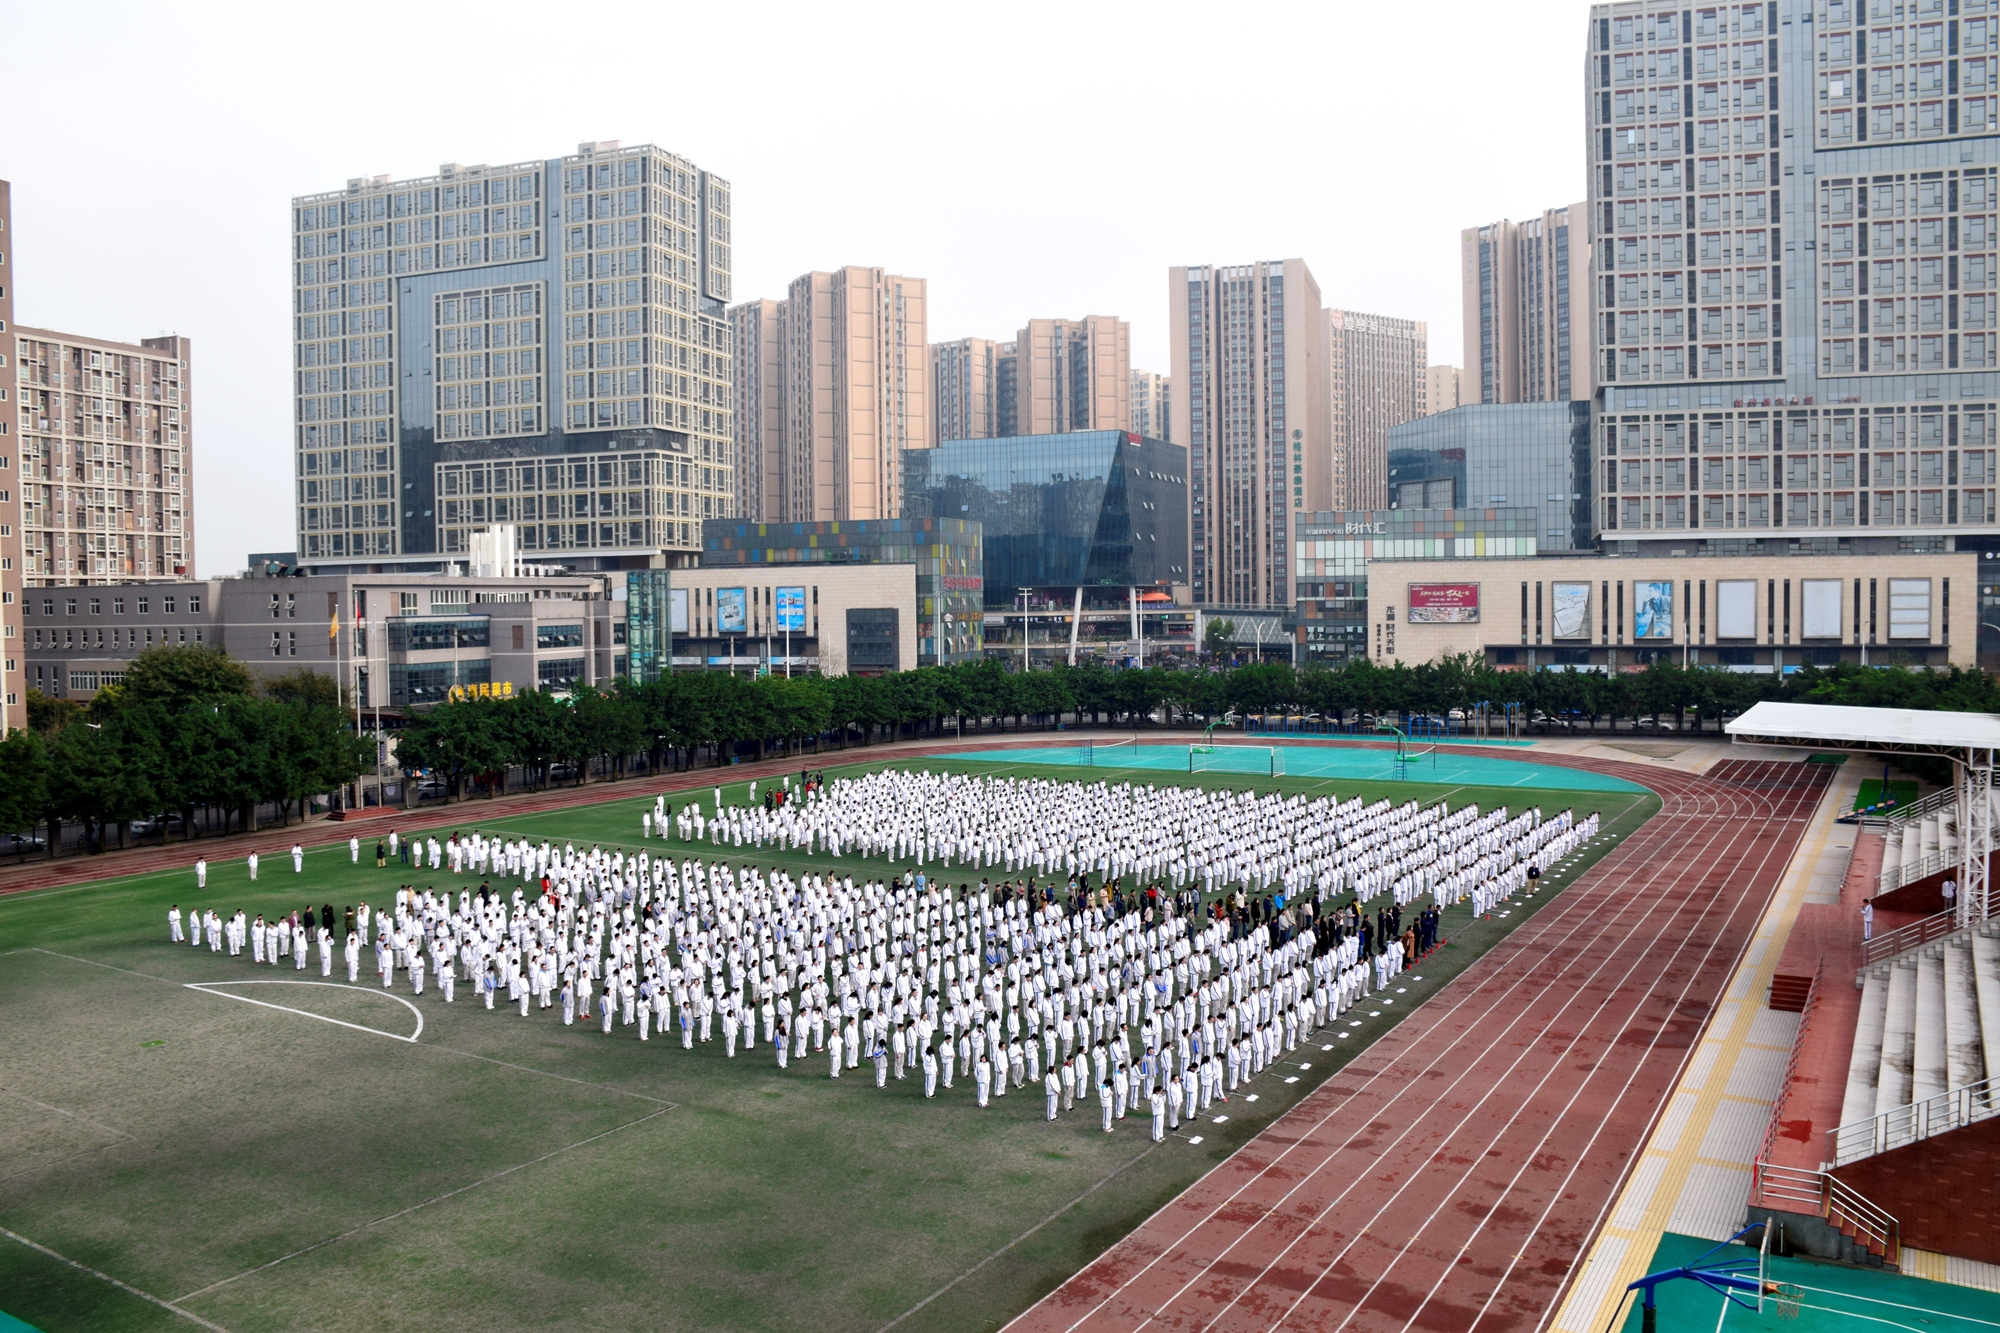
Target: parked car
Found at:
161, 824
23, 844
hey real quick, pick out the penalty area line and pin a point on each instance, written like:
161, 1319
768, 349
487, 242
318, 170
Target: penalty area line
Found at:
106, 1277
209, 988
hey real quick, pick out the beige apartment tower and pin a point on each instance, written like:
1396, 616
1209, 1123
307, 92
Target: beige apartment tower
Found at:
965, 388
13, 709
1249, 401
1152, 410
756, 331
1071, 375
1526, 308
1377, 377
847, 379
1441, 391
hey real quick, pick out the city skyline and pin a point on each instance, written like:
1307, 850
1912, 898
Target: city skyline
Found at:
795, 208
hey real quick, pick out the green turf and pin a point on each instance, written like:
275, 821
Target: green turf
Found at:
1905, 793
1833, 1298
266, 1171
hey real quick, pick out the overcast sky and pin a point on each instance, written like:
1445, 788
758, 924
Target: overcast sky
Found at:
1027, 159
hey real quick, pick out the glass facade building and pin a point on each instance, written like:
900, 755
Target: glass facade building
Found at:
946, 552
1334, 551
1087, 508
1506, 455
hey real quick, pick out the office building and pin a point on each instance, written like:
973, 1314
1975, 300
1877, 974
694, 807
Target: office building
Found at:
1337, 550
834, 619
551, 330
848, 378
1377, 377
1072, 375
13, 564
1793, 216
1083, 510
755, 330
965, 388
391, 641
1250, 400
1526, 308
1152, 407
1515, 455
1441, 385
946, 553
1745, 613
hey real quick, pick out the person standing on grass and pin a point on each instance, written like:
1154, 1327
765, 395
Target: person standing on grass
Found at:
298, 859
354, 850
353, 957
174, 933
201, 872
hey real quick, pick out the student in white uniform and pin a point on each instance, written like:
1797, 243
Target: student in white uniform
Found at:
298, 859
354, 850
174, 933
253, 867
201, 872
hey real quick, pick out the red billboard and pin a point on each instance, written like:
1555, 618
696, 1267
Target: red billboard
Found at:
1444, 604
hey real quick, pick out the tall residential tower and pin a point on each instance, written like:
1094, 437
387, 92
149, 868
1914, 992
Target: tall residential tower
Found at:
1378, 375
1526, 308
1250, 402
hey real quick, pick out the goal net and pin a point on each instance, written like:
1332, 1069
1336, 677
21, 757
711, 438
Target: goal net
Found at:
1100, 752
1267, 760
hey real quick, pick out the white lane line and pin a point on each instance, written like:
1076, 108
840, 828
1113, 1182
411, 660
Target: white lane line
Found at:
207, 988
106, 1277
71, 1114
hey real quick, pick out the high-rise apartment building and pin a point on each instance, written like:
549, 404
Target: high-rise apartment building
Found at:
1250, 402
13, 566
1441, 389
1794, 226
1526, 305
1152, 411
1071, 375
756, 330
848, 378
541, 343
107, 458
965, 383
1377, 377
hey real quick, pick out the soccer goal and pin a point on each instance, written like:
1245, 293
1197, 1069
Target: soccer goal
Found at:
1268, 760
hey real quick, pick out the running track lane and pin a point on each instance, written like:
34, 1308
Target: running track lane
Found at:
1450, 1177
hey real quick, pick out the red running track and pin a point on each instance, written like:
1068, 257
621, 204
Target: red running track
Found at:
1451, 1176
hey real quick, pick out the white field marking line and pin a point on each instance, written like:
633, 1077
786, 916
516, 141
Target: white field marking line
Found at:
1574, 919
404, 1212
1603, 1006
1898, 1305
1555, 1121
106, 1277
1017, 1240
106, 966
602, 1087
207, 988
71, 1114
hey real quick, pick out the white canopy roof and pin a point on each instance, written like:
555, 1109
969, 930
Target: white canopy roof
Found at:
1901, 730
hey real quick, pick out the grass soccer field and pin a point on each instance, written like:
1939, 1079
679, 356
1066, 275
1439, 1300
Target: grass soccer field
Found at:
172, 1156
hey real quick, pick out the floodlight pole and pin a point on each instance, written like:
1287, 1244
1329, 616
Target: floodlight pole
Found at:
1975, 830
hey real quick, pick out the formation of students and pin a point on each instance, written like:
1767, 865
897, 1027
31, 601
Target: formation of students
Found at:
1164, 997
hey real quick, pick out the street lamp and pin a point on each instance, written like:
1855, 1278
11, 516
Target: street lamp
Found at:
1024, 627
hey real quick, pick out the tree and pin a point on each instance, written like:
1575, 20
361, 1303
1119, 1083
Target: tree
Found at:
303, 686
1217, 635
24, 781
609, 725
457, 739
49, 716
178, 676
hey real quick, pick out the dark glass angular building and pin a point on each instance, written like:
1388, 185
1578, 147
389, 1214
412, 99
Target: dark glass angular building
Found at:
1500, 455
1099, 508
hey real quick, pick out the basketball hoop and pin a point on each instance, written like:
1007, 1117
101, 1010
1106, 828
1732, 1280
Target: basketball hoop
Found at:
1785, 1298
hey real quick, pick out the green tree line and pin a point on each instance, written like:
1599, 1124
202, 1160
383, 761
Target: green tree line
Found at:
185, 730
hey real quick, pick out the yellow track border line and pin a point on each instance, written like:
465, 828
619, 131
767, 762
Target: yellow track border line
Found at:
1659, 1174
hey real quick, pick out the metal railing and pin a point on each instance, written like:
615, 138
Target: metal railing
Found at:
1931, 863
1771, 1129
1904, 938
1793, 1189
1904, 1125
1895, 820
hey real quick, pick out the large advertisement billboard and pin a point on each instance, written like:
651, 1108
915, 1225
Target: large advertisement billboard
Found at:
791, 603
1444, 604
1653, 609
729, 618
1572, 610
677, 614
